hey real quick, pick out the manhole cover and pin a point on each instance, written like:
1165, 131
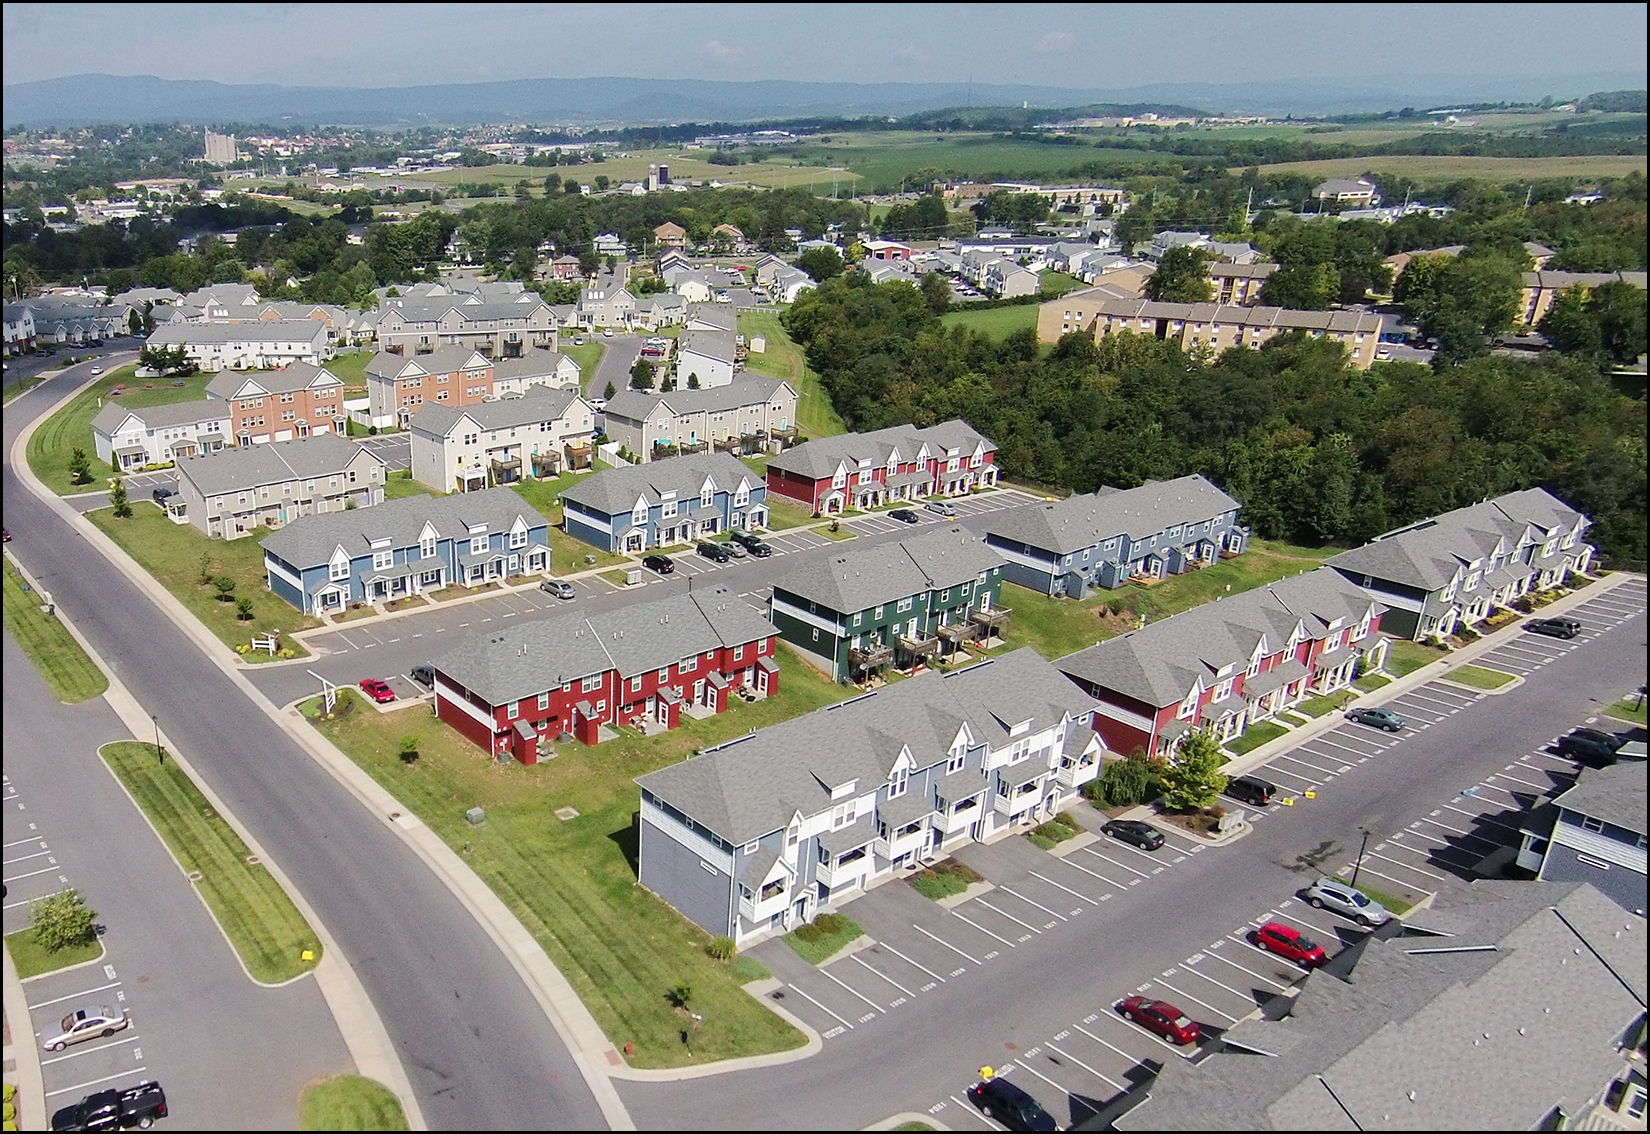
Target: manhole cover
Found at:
566, 813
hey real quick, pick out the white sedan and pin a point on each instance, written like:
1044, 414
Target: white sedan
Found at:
97, 370
83, 1024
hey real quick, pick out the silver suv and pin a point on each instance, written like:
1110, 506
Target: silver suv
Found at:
1343, 899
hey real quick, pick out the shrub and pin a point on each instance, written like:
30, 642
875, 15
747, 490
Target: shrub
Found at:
225, 585
1124, 783
831, 924
243, 609
62, 921
203, 573
809, 932
1115, 606
681, 994
409, 748
721, 948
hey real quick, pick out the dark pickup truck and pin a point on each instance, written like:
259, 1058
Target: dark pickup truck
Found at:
114, 1110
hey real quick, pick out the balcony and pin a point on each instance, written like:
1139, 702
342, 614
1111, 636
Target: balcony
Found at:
870, 656
960, 817
990, 619
759, 908
919, 646
1077, 774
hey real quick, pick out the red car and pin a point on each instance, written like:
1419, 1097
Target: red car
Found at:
1161, 1017
377, 689
1286, 941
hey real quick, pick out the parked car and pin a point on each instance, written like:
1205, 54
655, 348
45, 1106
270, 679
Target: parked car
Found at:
904, 516
378, 689
751, 542
1384, 719
160, 494
1252, 790
734, 548
559, 588
578, 340
1161, 1017
716, 551
1591, 746
660, 563
1554, 627
943, 507
5, 536
1287, 941
998, 1098
424, 675
84, 1024
1326, 893
1383, 354
115, 1110
1142, 835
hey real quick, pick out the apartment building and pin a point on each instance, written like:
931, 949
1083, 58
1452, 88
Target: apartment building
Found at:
227, 494
472, 448
640, 507
1219, 326
398, 386
743, 416
296, 401
867, 470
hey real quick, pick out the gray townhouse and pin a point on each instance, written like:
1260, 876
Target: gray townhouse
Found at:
1106, 538
606, 302
711, 317
1593, 832
74, 319
743, 416
323, 562
498, 329
468, 448
641, 507
762, 833
538, 367
228, 493
131, 437
858, 612
1453, 569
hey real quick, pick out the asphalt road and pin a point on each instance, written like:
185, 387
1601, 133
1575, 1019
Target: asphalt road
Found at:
617, 360
198, 1021
478, 1049
1034, 992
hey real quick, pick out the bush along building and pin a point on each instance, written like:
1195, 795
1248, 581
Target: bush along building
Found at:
1107, 538
513, 692
760, 833
866, 470
899, 604
1452, 570
665, 502
1229, 663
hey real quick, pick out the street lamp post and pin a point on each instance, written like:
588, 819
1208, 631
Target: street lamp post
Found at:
1360, 860
160, 753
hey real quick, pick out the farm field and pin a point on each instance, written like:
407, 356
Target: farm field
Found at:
779, 174
1440, 168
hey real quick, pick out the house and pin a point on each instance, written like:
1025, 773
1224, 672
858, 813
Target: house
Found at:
132, 437
1359, 193
609, 244
1226, 664
857, 612
247, 346
710, 317
729, 234
535, 368
661, 503
1162, 242
1007, 280
1593, 832
606, 302
1106, 538
1541, 288
699, 285
661, 309
1239, 284
513, 691
670, 235
1219, 326
497, 327
885, 271
1451, 570
1504, 1006
466, 449
710, 357
886, 250
788, 283
323, 563
564, 268
227, 493
743, 417
397, 386
278, 405
69, 320
762, 833
20, 335
867, 470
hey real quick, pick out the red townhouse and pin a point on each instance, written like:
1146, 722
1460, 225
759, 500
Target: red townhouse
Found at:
887, 250
398, 386
1228, 663
510, 691
866, 470
295, 401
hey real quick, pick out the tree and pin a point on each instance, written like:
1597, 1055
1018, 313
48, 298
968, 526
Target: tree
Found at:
1133, 227
693, 381
409, 748
1193, 780
80, 466
1618, 308
552, 183
225, 585
668, 384
243, 609
821, 264
118, 501
936, 292
1302, 286
203, 570
1570, 326
610, 391
1182, 276
61, 921
641, 375
589, 262
601, 182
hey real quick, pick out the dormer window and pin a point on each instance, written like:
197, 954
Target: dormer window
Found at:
706, 494
898, 782
1188, 706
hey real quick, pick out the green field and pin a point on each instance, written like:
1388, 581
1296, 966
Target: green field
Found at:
779, 172
1439, 168
57, 437
885, 159
998, 322
784, 359
351, 370
68, 672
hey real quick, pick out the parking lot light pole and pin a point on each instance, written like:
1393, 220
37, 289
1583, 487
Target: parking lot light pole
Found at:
160, 753
1360, 859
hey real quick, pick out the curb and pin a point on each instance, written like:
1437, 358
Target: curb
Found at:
31, 1081
758, 989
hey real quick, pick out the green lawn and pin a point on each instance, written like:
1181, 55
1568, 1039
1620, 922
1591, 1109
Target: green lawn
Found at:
567, 553
573, 884
53, 444
1404, 657
172, 554
1478, 677
401, 485
822, 946
1393, 903
253, 911
1323, 706
998, 322
784, 359
1254, 736
68, 672
588, 356
1055, 284
32, 959
1629, 709
784, 514
349, 1102
351, 369
1370, 682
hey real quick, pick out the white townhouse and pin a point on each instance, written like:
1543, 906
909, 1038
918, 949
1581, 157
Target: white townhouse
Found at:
538, 433
131, 437
248, 346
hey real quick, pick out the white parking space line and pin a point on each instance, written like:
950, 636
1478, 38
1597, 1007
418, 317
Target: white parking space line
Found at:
1542, 788
942, 941
1480, 817
1040, 906
1485, 785
76, 1054
31, 839
817, 1004
1295, 759
1333, 743
75, 995
1273, 770
1256, 949
1304, 924
1067, 889
1190, 967
1009, 916
1089, 850
1133, 1060
970, 1108
827, 975
1184, 995
79, 1087
983, 930
1457, 830
26, 857
1094, 874
877, 972
1404, 865
1115, 1085
909, 961
18, 877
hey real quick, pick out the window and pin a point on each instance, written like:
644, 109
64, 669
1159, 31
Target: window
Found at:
544, 701
664, 674
878, 613
1188, 706
903, 605
688, 665
518, 538
1588, 823
842, 815
738, 653
338, 570
667, 510
594, 681
426, 547
513, 710
636, 684
383, 560
857, 618
898, 783
705, 495
478, 544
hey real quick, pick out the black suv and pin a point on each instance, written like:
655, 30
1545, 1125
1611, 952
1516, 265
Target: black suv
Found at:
659, 563
1591, 746
714, 551
424, 675
751, 543
1554, 627
161, 493
998, 1098
1252, 790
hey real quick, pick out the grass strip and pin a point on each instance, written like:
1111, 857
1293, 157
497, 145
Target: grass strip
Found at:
1478, 677
67, 670
823, 937
349, 1102
263, 925
1629, 709
1254, 736
32, 959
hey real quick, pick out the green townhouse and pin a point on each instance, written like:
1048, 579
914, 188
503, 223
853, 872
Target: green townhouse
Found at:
855, 613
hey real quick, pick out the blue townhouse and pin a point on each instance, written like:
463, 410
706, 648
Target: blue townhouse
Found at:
324, 562
665, 502
1106, 538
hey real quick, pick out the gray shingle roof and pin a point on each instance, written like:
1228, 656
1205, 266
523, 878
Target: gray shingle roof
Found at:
722, 316
535, 363
744, 390
1614, 794
753, 786
536, 404
248, 466
711, 344
275, 331
289, 379
1228, 315
1076, 522
612, 491
311, 540
820, 458
858, 579
446, 360
114, 412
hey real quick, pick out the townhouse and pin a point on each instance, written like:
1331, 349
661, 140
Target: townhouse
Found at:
471, 448
20, 332
1106, 538
762, 833
670, 235
661, 309
297, 400
132, 437
69, 320
498, 328
1218, 326
711, 317
606, 302
228, 493
1542, 288
1451, 570
706, 358
1228, 663
699, 285
997, 275
744, 416
640, 507
513, 692
247, 346
788, 283
322, 563
1592, 832
887, 271
398, 386
1239, 285
535, 368
895, 604
902, 462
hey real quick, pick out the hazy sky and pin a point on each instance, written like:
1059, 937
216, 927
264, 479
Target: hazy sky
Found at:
1073, 45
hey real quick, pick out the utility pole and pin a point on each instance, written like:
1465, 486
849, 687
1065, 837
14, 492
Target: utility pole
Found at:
1359, 863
